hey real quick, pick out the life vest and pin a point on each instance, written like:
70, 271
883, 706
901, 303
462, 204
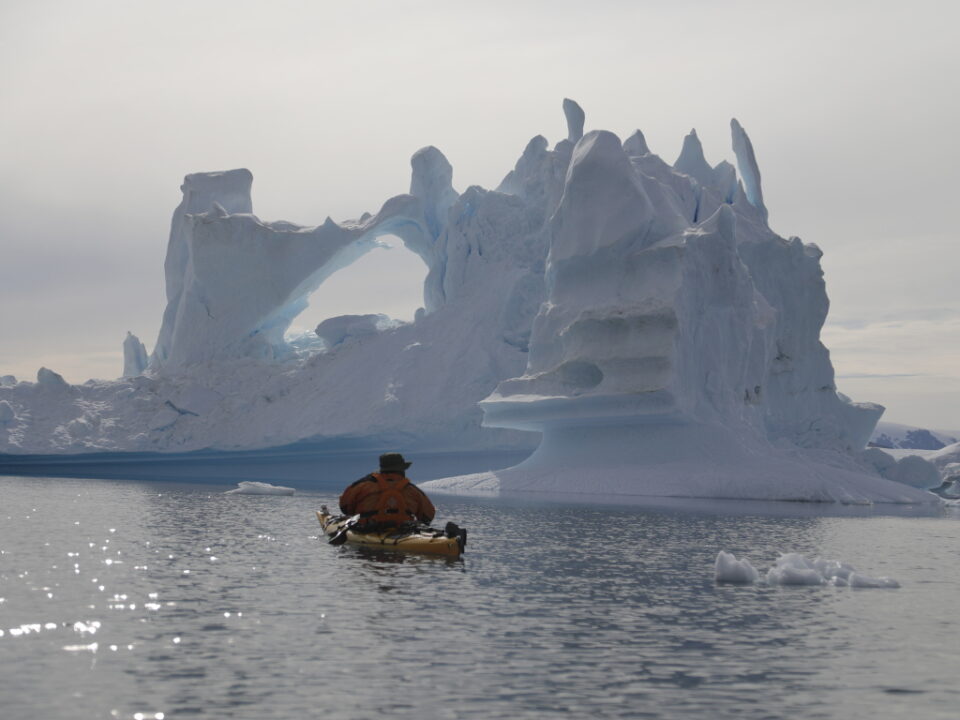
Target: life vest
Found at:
391, 508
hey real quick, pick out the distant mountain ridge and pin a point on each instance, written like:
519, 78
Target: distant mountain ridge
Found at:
908, 437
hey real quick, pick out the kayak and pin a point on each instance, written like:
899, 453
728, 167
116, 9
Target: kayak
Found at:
449, 542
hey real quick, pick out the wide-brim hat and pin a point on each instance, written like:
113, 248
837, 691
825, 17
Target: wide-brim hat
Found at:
393, 462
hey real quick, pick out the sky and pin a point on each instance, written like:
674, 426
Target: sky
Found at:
852, 108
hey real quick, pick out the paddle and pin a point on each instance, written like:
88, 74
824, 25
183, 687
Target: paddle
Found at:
340, 536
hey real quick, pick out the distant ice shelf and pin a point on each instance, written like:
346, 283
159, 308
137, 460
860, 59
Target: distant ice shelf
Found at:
251, 487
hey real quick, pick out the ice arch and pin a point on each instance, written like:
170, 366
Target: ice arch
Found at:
235, 283
360, 288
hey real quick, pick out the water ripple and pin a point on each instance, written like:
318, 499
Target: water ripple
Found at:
184, 601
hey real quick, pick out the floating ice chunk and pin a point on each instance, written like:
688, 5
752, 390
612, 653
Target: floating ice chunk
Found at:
92, 647
249, 487
865, 581
834, 570
83, 628
731, 570
796, 569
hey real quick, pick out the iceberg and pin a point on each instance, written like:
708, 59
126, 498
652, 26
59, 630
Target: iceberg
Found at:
677, 352
910, 470
636, 324
251, 487
918, 456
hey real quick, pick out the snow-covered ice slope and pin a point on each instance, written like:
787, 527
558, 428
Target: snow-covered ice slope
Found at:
642, 317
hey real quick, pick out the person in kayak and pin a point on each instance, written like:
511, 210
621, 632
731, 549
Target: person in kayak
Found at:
387, 498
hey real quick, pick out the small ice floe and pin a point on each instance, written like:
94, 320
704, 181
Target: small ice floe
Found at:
249, 487
92, 647
731, 570
86, 628
795, 569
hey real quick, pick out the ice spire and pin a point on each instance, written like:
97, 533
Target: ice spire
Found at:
201, 191
603, 204
432, 182
692, 162
134, 356
725, 180
636, 145
747, 164
575, 118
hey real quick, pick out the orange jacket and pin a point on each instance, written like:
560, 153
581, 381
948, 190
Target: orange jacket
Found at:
386, 499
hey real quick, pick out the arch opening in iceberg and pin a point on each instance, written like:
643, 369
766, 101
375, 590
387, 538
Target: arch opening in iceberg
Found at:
358, 289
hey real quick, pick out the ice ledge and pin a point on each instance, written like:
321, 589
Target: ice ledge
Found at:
719, 481
535, 412
685, 460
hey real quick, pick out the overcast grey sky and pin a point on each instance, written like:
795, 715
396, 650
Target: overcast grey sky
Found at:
105, 105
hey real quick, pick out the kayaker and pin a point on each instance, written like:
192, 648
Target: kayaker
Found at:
387, 498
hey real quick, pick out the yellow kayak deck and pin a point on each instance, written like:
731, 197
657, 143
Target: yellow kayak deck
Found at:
428, 542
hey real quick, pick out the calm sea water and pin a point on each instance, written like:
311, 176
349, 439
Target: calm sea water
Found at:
139, 600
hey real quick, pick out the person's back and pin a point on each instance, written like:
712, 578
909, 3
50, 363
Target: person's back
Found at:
387, 498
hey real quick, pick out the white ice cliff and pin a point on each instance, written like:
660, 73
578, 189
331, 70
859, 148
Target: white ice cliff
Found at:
642, 318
